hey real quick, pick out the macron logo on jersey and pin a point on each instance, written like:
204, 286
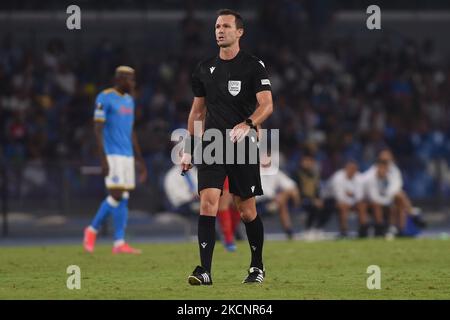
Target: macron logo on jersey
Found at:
212, 69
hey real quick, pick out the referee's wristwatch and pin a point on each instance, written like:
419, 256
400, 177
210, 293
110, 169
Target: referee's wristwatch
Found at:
249, 122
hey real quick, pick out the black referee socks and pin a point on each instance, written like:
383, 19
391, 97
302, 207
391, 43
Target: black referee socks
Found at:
206, 240
255, 235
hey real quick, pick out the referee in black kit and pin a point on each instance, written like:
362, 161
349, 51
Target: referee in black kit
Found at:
232, 94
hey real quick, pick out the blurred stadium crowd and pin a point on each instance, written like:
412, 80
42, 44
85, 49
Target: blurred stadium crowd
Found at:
212, 5
331, 98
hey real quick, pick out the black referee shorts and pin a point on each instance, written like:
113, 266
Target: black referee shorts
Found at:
244, 178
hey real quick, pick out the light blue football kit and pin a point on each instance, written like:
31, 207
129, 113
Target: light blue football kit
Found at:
116, 111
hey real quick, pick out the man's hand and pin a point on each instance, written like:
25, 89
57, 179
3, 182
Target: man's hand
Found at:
239, 132
142, 168
318, 203
105, 166
186, 160
349, 194
295, 194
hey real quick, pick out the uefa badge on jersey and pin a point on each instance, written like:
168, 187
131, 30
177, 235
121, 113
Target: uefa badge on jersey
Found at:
234, 87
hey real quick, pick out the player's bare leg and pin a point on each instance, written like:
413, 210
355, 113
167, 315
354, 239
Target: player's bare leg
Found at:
393, 229
378, 217
403, 207
255, 234
117, 194
285, 218
403, 201
361, 208
209, 204
343, 218
224, 216
236, 220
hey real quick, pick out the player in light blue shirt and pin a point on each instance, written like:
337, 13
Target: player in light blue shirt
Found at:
118, 147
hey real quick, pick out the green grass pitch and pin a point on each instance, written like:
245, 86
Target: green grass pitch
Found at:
410, 269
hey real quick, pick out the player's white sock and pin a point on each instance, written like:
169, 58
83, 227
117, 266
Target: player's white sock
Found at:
112, 202
118, 243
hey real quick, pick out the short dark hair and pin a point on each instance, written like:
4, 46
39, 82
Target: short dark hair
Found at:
237, 17
382, 162
349, 159
383, 149
308, 154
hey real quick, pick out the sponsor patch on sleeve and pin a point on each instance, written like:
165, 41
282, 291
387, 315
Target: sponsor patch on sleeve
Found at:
265, 82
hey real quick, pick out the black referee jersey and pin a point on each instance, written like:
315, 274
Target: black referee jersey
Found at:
229, 88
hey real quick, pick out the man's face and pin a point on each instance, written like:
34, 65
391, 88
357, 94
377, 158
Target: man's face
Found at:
125, 81
226, 32
382, 170
351, 168
386, 156
307, 163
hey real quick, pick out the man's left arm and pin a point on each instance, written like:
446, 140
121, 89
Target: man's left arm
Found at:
264, 109
395, 181
262, 112
139, 159
264, 106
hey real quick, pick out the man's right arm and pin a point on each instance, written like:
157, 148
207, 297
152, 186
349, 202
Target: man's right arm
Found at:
100, 117
98, 129
197, 114
338, 188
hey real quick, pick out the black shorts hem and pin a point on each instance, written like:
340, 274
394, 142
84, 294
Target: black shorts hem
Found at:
246, 196
200, 188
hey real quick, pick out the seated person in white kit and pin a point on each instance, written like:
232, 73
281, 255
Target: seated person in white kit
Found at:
346, 186
278, 190
378, 188
181, 191
402, 204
